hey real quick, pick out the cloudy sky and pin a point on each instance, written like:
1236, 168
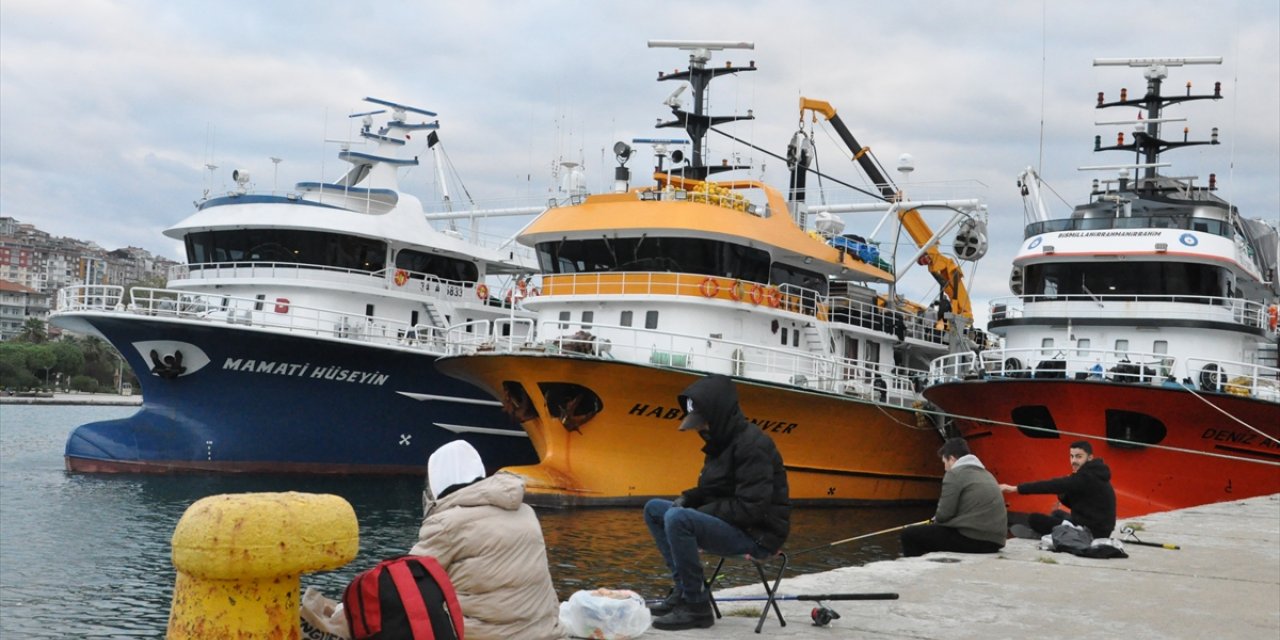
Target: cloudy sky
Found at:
109, 111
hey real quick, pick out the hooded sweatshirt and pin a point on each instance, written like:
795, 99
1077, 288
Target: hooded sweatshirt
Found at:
1088, 494
742, 481
971, 502
491, 545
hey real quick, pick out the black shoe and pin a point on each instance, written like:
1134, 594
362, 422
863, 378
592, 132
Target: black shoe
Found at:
687, 615
663, 608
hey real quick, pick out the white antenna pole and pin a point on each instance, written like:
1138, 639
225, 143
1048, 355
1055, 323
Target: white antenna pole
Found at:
275, 174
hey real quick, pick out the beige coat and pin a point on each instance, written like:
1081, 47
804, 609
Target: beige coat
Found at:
491, 545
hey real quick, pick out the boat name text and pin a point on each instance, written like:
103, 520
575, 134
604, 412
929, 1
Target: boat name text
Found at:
1227, 435
1106, 234
672, 413
335, 373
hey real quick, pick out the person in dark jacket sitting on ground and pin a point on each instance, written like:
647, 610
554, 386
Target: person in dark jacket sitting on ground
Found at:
1087, 492
741, 505
971, 517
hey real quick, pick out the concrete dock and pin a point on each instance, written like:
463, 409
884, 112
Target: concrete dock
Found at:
1224, 582
74, 399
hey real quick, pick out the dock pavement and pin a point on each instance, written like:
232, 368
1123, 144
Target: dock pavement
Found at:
1224, 582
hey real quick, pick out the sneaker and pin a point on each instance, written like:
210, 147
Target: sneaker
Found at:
663, 608
687, 615
1024, 532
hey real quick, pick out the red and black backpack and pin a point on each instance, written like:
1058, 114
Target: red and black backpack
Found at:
408, 598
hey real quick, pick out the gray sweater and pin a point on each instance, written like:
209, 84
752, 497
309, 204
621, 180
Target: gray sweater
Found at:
971, 502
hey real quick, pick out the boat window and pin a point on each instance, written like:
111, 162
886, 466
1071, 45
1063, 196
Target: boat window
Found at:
873, 357
781, 274
420, 264
651, 320
257, 306
783, 333
286, 246
1082, 346
678, 255
1122, 346
1187, 282
587, 318
625, 319
564, 319
1034, 421
1046, 346
1160, 346
1133, 430
795, 338
368, 311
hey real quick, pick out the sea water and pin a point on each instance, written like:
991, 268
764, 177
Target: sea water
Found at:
88, 555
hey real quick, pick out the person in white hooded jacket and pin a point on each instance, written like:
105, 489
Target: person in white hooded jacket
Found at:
490, 543
971, 515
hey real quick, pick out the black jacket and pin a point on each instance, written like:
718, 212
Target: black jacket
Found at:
1088, 494
742, 481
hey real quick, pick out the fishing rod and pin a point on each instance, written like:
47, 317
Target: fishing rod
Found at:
815, 598
1132, 538
865, 535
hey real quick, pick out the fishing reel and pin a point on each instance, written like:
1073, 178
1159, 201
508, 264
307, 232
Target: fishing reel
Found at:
822, 615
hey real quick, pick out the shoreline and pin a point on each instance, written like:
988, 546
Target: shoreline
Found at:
87, 399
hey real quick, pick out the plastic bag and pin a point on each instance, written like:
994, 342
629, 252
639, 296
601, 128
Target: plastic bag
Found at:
322, 618
605, 614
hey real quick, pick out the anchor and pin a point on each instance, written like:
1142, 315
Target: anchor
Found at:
169, 367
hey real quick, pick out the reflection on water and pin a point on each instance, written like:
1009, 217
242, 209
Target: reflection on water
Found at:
84, 555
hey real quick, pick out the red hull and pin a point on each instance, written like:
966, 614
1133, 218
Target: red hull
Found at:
1203, 457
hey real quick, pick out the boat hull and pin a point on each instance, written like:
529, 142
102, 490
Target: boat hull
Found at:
255, 400
1202, 456
837, 450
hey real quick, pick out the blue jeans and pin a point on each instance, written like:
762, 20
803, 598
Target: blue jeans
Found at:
680, 532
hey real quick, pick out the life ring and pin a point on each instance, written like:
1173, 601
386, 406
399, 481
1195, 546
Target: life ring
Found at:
402, 277
482, 291
757, 294
518, 292
710, 288
772, 297
1273, 316
736, 290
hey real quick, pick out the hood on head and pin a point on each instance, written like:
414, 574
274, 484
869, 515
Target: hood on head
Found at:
453, 464
716, 398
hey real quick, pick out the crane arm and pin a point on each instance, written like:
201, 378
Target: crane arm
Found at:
943, 269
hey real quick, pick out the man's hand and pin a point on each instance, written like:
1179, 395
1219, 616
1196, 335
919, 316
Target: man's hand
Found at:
1008, 488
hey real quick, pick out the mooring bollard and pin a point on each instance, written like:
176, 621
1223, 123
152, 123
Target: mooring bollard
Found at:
239, 558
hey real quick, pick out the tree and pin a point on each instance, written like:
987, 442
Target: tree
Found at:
70, 358
152, 282
41, 358
33, 331
14, 370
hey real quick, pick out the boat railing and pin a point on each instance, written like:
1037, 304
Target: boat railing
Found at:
259, 269
875, 382
1205, 225
1108, 365
865, 314
279, 314
1239, 311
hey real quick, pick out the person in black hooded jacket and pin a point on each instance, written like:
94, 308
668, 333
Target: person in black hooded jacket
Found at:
1087, 492
741, 505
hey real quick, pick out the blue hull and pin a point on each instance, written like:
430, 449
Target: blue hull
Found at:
246, 400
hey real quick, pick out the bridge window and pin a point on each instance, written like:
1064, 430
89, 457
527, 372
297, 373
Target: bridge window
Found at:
677, 255
286, 246
418, 263
625, 319
1136, 278
651, 320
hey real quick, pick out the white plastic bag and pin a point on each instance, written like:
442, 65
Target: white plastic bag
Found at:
605, 614
322, 618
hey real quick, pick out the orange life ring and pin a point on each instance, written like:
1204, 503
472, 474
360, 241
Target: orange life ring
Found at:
736, 290
482, 291
402, 277
710, 288
1273, 316
757, 294
773, 297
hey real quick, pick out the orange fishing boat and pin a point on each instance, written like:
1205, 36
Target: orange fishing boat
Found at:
646, 289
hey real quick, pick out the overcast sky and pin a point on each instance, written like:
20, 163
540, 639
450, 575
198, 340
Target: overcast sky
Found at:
110, 110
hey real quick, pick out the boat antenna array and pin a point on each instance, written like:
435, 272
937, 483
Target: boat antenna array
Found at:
1146, 143
697, 123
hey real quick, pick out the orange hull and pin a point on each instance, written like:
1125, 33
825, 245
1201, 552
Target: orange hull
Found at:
1202, 456
837, 450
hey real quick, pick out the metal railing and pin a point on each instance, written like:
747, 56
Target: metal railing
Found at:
820, 372
283, 316
1247, 313
1154, 369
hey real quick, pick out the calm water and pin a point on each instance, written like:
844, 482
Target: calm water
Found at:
88, 556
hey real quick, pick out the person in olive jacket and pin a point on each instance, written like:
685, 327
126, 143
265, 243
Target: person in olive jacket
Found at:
741, 505
971, 516
1087, 492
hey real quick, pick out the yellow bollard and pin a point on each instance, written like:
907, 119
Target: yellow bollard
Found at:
239, 557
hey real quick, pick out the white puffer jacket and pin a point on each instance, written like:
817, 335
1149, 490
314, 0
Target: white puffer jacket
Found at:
491, 545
